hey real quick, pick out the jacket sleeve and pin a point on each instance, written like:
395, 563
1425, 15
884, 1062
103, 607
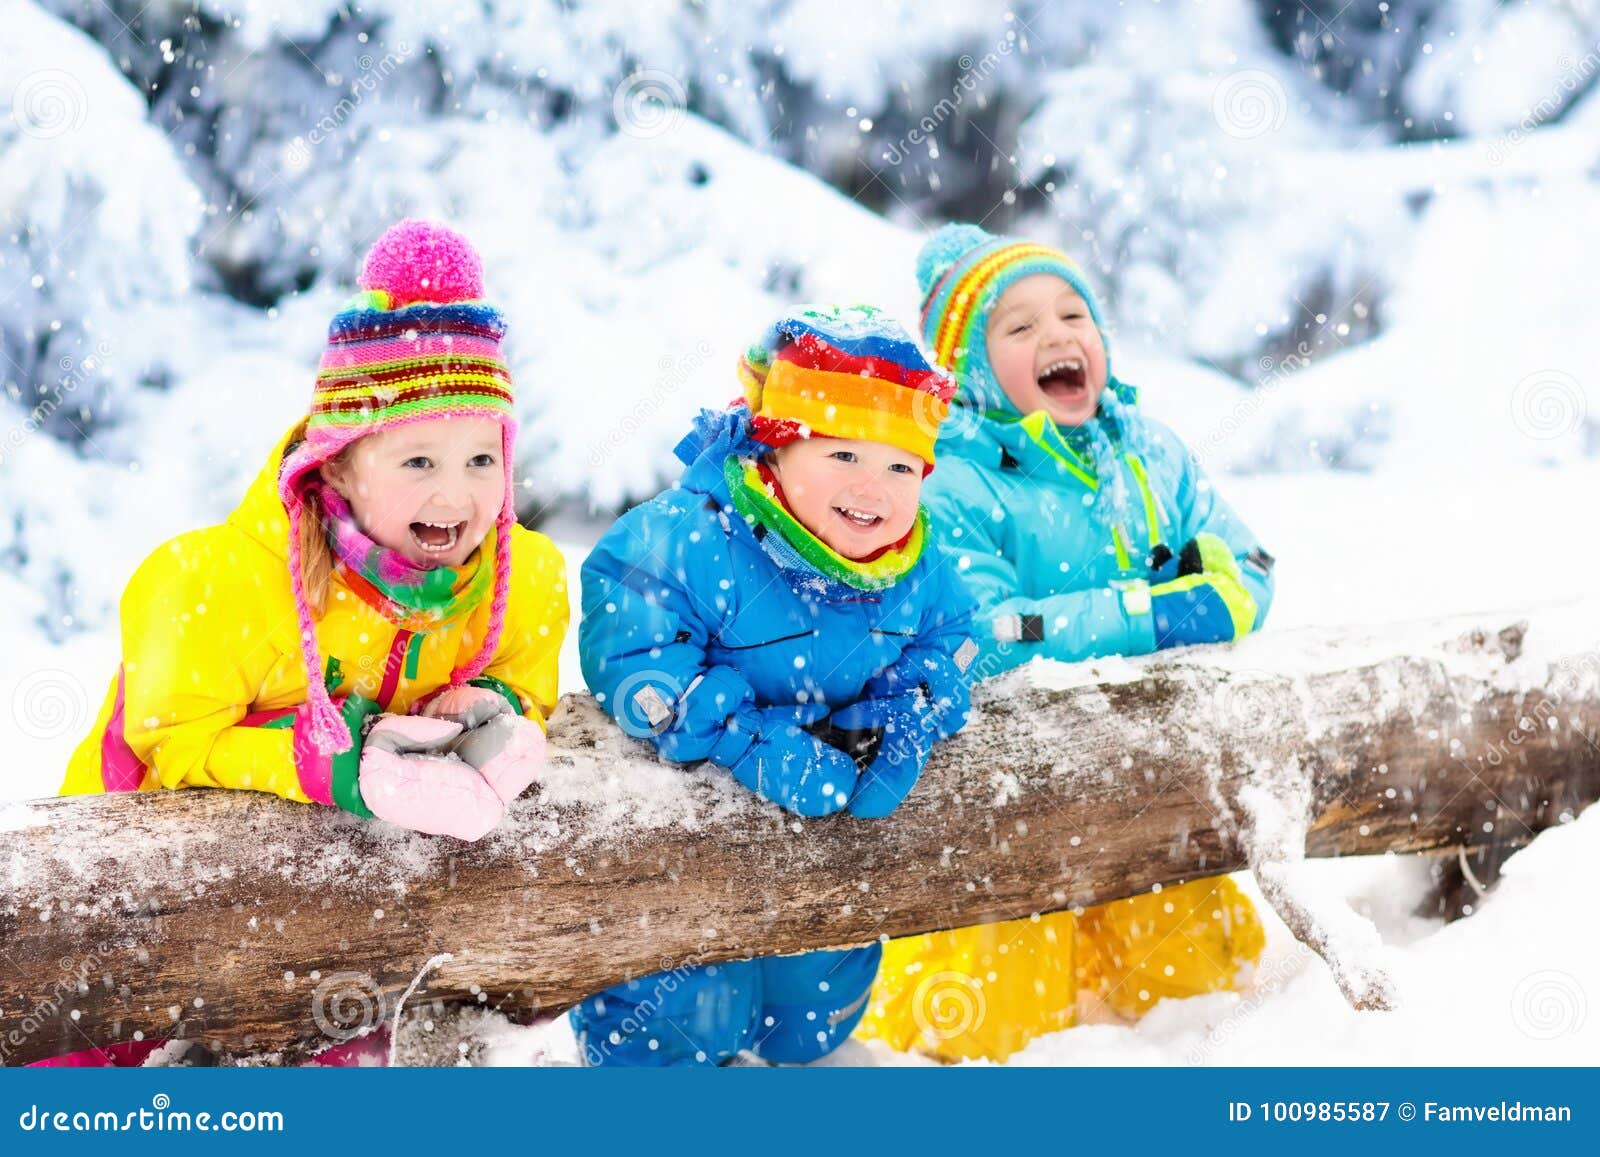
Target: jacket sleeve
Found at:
1011, 628
942, 655
1202, 510
651, 600
193, 662
525, 664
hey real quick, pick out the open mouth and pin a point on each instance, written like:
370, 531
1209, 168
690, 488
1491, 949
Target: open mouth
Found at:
859, 519
1065, 380
437, 537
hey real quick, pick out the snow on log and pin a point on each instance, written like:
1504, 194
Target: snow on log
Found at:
268, 930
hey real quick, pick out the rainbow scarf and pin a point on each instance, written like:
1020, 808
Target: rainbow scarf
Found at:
793, 547
413, 597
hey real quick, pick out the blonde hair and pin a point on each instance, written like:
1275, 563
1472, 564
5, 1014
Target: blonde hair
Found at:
316, 556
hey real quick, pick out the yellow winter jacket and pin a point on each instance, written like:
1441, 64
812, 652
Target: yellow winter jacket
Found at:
209, 637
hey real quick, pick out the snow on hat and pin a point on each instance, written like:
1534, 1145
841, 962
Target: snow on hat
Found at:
418, 343
962, 271
844, 372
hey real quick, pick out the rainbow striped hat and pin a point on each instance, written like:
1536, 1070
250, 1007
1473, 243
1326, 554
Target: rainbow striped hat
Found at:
844, 372
417, 343
962, 271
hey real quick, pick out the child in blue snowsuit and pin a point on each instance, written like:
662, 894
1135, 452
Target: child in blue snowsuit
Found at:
783, 594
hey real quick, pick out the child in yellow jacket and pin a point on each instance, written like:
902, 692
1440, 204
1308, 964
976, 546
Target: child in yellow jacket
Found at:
370, 629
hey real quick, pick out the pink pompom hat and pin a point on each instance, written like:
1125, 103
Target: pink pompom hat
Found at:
417, 343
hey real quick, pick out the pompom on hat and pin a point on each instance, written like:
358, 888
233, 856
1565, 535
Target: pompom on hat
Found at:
844, 372
417, 343
962, 270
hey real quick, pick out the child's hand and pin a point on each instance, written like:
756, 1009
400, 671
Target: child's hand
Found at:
409, 777
908, 735
788, 765
468, 706
1200, 609
507, 750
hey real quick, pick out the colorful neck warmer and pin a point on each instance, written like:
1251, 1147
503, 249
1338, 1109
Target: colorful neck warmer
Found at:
412, 597
793, 547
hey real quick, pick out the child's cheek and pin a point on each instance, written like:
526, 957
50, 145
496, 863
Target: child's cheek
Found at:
1015, 370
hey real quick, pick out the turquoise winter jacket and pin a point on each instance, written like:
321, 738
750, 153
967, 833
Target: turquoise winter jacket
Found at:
1053, 574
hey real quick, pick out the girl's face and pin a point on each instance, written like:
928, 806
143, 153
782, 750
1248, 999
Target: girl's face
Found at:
429, 490
1046, 351
858, 497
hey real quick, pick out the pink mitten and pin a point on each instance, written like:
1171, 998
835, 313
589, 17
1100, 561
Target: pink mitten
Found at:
410, 778
468, 706
508, 751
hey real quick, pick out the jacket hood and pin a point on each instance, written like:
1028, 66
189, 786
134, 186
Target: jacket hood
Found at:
260, 514
715, 436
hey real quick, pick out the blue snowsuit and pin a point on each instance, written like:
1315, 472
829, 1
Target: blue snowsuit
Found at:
1052, 579
701, 634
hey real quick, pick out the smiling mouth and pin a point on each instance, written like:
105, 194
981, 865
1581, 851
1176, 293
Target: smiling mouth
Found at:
859, 519
437, 537
1067, 379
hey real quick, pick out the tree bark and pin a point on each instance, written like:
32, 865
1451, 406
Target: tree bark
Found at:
267, 930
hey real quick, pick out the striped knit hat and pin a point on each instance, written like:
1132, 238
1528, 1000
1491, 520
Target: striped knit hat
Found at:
418, 343
844, 372
962, 271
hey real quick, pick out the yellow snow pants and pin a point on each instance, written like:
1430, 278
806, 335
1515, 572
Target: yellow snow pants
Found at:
986, 991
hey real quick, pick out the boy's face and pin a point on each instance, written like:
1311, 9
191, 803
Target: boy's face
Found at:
429, 490
1046, 351
858, 497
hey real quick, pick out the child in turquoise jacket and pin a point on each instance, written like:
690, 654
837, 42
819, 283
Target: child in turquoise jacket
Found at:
1084, 526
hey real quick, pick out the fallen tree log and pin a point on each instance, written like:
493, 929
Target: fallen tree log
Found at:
267, 929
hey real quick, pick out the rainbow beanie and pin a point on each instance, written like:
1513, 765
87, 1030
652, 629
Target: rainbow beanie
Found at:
844, 372
962, 271
417, 343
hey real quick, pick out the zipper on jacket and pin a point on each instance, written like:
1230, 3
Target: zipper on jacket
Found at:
768, 643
